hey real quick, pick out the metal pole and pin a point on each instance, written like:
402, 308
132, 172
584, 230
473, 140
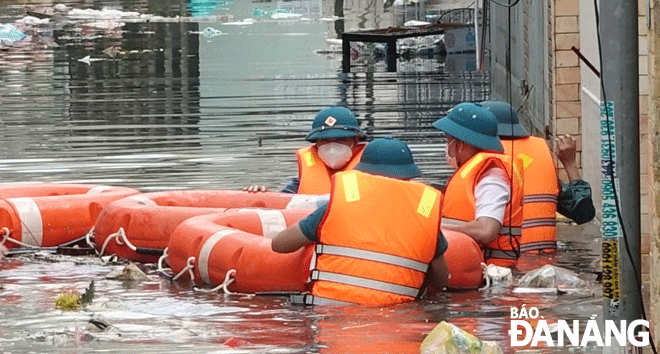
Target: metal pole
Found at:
620, 75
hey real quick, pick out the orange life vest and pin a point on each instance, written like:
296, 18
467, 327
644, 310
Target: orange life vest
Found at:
459, 205
540, 193
376, 240
314, 175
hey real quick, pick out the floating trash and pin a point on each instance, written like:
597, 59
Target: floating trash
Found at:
210, 32
10, 34
447, 338
129, 272
497, 276
284, 16
551, 279
71, 301
88, 60
262, 13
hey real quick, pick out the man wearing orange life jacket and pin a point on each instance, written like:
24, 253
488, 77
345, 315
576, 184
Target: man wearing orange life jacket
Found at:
378, 235
483, 198
542, 187
336, 135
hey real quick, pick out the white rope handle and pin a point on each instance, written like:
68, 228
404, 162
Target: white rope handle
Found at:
189, 267
124, 239
161, 270
484, 270
88, 240
6, 238
229, 279
105, 243
120, 238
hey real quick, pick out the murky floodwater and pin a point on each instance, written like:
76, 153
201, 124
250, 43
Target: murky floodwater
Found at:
210, 100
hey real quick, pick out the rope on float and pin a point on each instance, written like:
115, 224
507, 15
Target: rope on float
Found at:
120, 238
161, 270
189, 267
88, 240
229, 279
484, 270
6, 238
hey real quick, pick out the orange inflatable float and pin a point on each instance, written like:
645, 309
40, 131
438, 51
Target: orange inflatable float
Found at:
215, 247
138, 228
465, 261
51, 214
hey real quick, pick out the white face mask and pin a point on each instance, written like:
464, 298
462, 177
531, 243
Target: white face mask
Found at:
451, 160
335, 155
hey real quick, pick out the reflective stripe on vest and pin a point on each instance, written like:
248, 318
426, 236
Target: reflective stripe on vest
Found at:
504, 230
540, 189
32, 230
365, 283
539, 198
372, 256
538, 245
539, 222
309, 299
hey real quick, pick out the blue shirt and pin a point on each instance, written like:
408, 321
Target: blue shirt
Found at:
311, 222
292, 187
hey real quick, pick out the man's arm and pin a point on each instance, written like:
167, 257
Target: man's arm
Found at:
574, 200
438, 273
566, 151
483, 230
290, 240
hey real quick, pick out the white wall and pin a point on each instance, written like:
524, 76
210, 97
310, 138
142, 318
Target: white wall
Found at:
590, 109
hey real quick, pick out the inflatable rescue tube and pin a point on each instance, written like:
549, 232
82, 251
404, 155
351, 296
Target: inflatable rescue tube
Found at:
51, 214
219, 243
464, 261
148, 219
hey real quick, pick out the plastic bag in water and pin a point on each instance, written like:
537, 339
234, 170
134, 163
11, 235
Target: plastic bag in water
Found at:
10, 34
449, 339
550, 276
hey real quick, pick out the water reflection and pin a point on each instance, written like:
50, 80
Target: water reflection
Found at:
158, 105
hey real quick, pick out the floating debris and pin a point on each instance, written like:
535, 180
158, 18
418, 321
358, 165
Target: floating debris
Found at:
111, 51
71, 301
447, 338
497, 276
10, 34
210, 32
129, 272
284, 16
551, 279
67, 301
88, 60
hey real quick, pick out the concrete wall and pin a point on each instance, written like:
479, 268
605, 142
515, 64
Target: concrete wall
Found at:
588, 121
653, 182
589, 91
528, 38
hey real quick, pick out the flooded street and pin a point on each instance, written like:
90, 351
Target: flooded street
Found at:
197, 96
